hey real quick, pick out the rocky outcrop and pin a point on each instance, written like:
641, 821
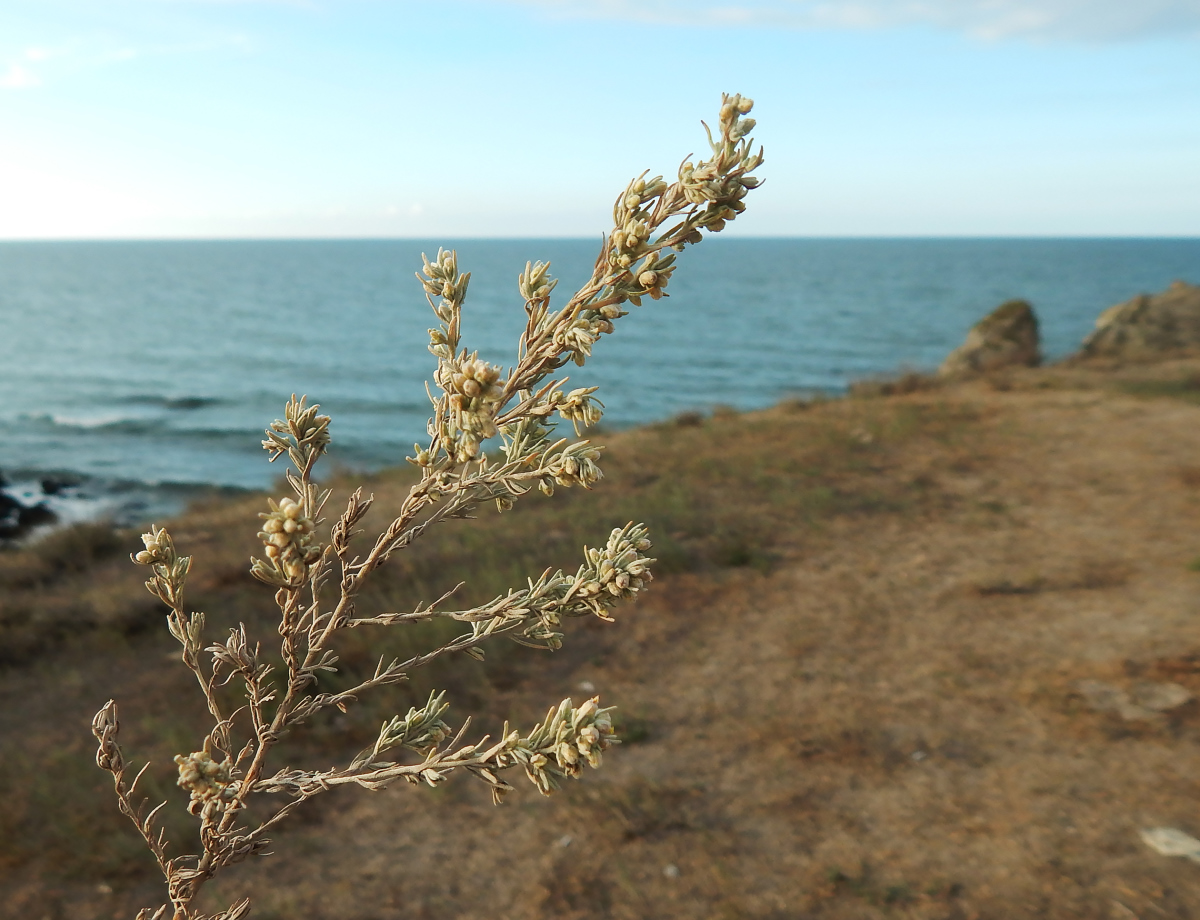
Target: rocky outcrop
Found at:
1005, 337
17, 519
1148, 325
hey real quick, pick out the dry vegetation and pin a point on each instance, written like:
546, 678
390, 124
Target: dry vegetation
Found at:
856, 690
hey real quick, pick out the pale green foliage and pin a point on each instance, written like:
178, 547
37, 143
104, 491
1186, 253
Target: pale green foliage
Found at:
317, 585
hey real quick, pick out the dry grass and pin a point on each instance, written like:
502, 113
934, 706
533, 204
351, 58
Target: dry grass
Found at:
853, 693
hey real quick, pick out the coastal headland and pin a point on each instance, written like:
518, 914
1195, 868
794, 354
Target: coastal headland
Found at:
928, 651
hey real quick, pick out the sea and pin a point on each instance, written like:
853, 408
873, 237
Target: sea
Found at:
135, 376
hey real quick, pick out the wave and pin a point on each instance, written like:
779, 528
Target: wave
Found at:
124, 424
81, 422
177, 403
64, 499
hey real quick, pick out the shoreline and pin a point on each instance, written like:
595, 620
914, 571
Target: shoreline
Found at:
34, 504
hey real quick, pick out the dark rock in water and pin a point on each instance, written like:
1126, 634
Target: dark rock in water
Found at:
34, 516
1148, 325
54, 485
17, 519
188, 402
1006, 337
10, 512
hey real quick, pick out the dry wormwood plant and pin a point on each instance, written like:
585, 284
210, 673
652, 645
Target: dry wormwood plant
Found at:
316, 585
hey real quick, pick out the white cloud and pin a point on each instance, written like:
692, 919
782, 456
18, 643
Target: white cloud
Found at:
18, 77
79, 55
1089, 20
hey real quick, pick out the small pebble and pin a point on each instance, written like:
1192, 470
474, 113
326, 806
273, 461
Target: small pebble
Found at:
563, 842
587, 686
671, 870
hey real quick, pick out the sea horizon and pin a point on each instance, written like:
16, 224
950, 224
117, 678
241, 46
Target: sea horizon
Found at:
936, 237
144, 368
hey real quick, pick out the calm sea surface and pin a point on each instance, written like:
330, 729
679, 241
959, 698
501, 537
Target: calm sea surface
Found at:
145, 369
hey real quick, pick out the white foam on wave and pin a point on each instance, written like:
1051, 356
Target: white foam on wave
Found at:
92, 421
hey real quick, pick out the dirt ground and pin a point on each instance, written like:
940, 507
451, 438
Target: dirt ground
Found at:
946, 707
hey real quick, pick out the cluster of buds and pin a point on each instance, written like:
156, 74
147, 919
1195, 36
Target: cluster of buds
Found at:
575, 465
160, 548
535, 282
617, 572
628, 242
733, 126
421, 730
701, 183
634, 200
421, 456
207, 780
289, 543
722, 182
525, 438
578, 407
302, 434
632, 218
563, 743
105, 727
170, 569
475, 391
580, 334
652, 276
441, 279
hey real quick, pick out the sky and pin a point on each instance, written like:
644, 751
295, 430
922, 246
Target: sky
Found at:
525, 118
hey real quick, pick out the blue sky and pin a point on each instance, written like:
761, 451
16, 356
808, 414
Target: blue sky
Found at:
320, 118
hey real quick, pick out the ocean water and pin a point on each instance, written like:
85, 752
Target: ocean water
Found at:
135, 372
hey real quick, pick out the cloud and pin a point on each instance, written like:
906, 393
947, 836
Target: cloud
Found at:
18, 76
1087, 20
79, 54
